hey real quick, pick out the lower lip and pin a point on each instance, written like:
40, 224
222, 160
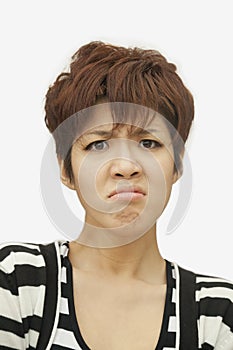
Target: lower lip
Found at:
127, 196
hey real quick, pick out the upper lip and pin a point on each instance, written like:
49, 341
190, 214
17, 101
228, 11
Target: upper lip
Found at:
136, 189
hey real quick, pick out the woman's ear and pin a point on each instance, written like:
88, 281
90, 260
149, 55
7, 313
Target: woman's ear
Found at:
177, 173
63, 175
178, 168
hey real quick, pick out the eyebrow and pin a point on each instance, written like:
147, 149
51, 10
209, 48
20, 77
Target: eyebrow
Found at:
106, 133
144, 132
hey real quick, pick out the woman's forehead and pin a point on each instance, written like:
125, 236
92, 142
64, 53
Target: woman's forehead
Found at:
115, 117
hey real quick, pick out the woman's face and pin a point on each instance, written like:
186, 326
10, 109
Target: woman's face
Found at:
123, 176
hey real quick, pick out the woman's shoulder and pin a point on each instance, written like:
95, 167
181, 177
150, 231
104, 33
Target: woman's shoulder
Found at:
215, 297
213, 294
26, 253
206, 283
14, 254
213, 286
17, 246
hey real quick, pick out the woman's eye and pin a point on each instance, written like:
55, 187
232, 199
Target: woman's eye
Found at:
150, 144
97, 145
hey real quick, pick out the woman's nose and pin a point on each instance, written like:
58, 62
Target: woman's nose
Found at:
123, 163
125, 168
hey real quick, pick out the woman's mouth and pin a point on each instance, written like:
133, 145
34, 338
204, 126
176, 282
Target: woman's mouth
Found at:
127, 194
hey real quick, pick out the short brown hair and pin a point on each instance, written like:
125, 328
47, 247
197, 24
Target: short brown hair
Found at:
133, 75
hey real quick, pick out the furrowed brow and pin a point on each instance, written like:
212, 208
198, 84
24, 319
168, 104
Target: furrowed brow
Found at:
103, 133
108, 133
144, 132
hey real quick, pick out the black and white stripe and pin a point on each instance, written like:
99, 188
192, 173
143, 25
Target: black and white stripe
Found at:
214, 297
22, 290
65, 337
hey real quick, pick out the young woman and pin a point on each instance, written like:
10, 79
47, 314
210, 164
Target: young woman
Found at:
120, 118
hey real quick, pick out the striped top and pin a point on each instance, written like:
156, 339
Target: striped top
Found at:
23, 287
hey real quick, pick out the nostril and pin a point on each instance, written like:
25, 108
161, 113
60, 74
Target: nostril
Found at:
133, 174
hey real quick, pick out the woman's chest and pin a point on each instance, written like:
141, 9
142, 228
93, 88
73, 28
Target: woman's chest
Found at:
119, 316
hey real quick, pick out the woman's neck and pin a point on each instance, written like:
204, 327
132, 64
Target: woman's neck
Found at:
139, 260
